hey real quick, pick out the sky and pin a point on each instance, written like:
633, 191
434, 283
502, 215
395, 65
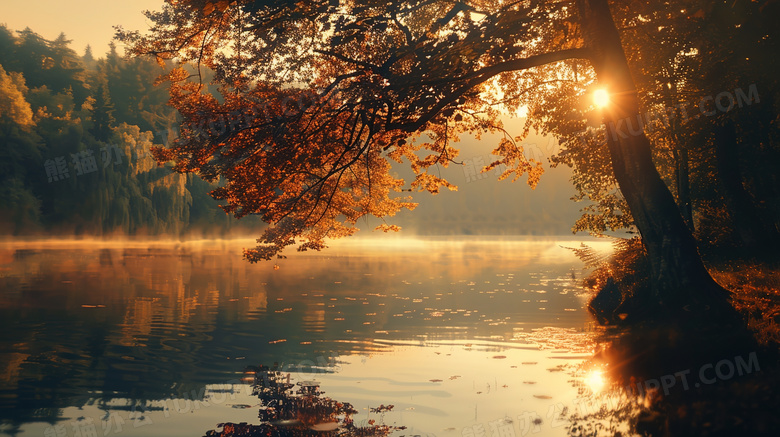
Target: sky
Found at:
83, 21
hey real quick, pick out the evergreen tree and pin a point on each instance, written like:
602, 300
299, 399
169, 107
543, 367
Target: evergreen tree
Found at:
89, 60
102, 113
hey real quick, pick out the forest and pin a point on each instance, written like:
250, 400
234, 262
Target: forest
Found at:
76, 132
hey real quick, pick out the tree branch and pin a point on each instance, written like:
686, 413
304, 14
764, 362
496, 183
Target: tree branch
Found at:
486, 73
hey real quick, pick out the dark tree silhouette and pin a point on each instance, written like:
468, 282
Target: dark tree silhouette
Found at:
102, 118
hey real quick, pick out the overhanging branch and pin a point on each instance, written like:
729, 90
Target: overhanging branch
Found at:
486, 73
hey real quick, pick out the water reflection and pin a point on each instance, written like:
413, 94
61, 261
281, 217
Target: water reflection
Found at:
679, 379
287, 412
91, 327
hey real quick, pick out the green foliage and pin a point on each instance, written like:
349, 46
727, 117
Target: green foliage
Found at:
618, 278
626, 264
57, 109
102, 109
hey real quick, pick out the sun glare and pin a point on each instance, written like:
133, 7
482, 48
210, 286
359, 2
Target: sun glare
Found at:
601, 97
595, 381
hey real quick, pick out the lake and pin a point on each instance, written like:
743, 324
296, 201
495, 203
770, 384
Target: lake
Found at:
465, 337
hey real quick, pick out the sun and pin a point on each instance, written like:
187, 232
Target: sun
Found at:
601, 97
595, 381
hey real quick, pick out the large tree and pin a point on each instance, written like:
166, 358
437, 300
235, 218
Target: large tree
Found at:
681, 56
317, 96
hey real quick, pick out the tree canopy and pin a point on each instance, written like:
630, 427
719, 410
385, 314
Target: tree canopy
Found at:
316, 98
321, 96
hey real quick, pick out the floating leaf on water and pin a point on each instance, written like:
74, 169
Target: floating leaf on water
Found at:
288, 422
325, 426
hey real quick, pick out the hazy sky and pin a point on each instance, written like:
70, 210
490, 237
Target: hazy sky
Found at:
83, 21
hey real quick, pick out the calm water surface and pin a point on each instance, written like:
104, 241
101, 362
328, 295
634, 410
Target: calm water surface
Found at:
466, 338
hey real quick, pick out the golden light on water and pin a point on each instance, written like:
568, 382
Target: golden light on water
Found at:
595, 381
601, 97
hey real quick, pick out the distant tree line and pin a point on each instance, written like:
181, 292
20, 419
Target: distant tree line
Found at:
75, 134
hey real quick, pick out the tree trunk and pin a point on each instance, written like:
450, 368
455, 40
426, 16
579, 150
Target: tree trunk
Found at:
678, 277
682, 179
